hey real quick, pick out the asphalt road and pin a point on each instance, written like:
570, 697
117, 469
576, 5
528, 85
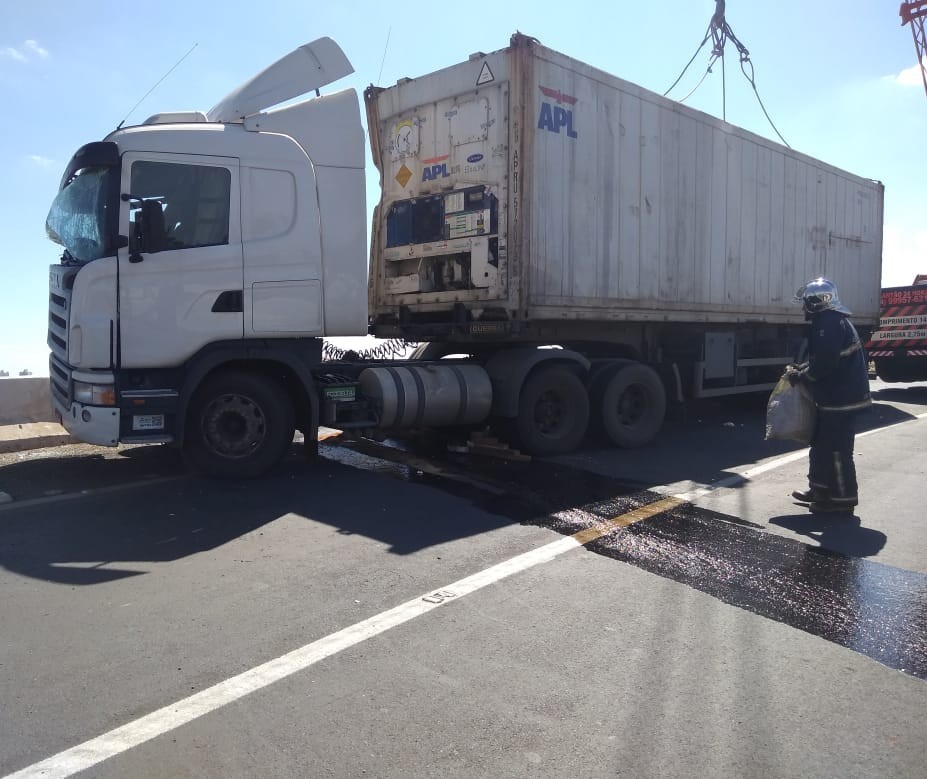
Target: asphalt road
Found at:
408, 611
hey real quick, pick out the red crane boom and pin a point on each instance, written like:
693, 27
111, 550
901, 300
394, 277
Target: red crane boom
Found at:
913, 12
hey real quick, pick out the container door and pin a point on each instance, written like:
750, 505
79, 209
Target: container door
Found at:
444, 171
180, 277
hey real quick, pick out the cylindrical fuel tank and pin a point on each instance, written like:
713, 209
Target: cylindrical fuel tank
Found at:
429, 395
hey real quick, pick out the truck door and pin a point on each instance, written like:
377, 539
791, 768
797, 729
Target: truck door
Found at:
180, 277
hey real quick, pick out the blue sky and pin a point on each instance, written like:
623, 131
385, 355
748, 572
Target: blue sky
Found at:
839, 79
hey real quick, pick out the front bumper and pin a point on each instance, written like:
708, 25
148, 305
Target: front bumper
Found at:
90, 424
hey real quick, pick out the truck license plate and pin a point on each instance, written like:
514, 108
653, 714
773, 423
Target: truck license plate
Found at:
148, 422
340, 393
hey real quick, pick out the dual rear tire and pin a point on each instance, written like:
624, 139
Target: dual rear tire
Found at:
625, 403
630, 403
553, 412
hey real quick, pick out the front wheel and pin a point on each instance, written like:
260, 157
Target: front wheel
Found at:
239, 426
553, 412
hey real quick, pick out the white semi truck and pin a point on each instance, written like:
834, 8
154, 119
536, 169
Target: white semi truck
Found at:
570, 251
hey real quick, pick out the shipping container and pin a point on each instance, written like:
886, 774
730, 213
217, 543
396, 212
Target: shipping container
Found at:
525, 187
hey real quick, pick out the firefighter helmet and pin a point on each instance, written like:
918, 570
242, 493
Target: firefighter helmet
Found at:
820, 295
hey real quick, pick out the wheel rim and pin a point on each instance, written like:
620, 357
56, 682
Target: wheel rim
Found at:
550, 413
233, 426
633, 405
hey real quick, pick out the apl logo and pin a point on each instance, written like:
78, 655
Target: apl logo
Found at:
556, 118
435, 168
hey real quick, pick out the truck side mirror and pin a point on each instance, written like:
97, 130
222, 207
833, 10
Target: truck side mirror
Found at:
149, 224
150, 232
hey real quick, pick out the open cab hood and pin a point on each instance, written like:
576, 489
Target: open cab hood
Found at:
309, 67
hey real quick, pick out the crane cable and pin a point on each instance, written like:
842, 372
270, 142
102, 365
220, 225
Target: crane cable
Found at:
720, 32
700, 46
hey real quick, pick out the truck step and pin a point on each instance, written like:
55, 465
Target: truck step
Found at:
160, 438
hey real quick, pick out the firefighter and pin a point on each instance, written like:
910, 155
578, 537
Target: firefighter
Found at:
838, 377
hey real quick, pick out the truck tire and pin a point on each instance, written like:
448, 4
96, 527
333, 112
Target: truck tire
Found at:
553, 412
240, 426
887, 371
631, 405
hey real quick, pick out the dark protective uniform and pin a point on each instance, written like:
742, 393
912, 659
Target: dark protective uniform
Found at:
837, 374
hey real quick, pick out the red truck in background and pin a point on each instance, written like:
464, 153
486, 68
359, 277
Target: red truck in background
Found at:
898, 348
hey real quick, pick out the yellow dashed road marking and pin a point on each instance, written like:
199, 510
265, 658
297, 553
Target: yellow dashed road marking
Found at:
595, 532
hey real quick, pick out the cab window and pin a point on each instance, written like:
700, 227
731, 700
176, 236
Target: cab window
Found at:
194, 202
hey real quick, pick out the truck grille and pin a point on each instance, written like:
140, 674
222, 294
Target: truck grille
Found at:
60, 378
59, 304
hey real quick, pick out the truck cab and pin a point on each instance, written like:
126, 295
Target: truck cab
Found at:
203, 231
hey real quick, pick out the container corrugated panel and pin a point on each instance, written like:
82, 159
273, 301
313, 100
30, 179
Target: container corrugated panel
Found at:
614, 203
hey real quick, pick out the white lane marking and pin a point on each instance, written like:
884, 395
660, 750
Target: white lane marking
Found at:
90, 753
172, 716
736, 479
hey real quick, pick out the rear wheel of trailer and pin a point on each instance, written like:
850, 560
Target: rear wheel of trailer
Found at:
629, 403
553, 411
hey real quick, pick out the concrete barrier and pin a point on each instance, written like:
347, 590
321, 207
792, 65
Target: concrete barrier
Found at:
24, 400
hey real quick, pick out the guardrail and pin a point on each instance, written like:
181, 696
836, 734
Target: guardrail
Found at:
25, 400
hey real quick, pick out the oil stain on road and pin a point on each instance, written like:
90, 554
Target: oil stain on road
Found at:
869, 607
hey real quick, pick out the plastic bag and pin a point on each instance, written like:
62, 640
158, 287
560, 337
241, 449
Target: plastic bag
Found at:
790, 413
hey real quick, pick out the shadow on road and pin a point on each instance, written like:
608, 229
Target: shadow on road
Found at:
909, 394
67, 469
714, 439
881, 415
93, 540
843, 534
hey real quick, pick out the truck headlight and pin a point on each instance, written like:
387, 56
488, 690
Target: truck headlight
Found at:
94, 394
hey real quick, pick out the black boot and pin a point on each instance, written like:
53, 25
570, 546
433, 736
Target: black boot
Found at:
832, 507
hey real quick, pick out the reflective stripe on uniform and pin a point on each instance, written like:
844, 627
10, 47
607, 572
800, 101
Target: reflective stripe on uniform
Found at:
853, 347
838, 474
856, 406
